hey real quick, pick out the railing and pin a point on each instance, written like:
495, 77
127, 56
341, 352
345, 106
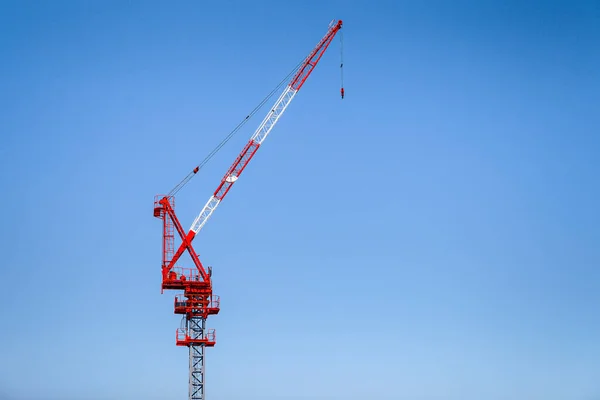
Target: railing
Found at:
158, 208
211, 335
159, 197
181, 336
215, 301
184, 274
182, 301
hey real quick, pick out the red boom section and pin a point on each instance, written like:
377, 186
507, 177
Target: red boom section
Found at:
314, 57
236, 169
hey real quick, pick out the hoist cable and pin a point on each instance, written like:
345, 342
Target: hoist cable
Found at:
342, 56
342, 63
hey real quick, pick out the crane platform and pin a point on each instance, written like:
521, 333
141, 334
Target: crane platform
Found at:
184, 339
207, 305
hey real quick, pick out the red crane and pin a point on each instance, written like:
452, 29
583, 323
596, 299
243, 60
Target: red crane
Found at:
197, 301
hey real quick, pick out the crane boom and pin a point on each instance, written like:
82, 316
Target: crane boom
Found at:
263, 130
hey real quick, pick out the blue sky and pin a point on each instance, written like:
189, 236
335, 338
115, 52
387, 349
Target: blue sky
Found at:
433, 236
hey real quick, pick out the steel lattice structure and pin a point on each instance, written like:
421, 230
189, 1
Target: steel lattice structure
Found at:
197, 301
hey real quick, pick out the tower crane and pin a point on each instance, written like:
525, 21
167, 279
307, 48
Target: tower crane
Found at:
197, 301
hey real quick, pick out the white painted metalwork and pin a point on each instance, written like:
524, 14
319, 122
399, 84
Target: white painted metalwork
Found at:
273, 116
208, 209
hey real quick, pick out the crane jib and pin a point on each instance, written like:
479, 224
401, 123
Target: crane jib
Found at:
265, 127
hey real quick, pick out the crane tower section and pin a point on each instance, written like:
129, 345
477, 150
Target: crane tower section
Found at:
197, 301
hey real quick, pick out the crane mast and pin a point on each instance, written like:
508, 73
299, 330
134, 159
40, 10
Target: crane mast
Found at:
197, 301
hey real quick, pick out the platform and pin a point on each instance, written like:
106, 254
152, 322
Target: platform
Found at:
183, 339
185, 305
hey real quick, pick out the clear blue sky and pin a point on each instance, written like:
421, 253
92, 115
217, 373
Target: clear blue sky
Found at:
433, 236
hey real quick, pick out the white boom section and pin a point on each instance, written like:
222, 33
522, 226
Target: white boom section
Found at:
205, 214
258, 137
273, 116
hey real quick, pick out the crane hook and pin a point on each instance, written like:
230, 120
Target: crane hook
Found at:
342, 92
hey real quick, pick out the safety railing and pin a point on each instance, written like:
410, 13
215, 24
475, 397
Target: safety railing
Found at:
183, 338
184, 274
181, 335
182, 301
158, 208
215, 301
211, 335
